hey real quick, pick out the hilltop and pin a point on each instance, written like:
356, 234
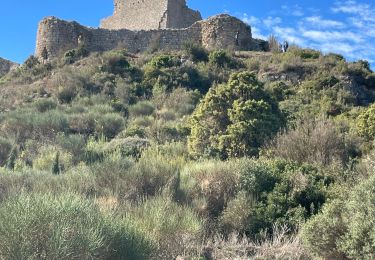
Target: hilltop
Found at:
204, 151
6, 66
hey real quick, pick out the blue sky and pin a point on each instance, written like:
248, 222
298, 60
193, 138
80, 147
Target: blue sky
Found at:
344, 26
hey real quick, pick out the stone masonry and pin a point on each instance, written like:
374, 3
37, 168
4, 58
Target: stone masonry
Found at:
56, 36
150, 14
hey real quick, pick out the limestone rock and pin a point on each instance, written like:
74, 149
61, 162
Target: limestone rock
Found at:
6, 66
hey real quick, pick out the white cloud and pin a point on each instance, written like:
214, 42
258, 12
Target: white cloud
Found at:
365, 11
295, 10
272, 21
329, 36
290, 34
251, 20
318, 21
351, 34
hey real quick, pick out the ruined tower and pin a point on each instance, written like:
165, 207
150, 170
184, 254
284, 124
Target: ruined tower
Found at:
150, 14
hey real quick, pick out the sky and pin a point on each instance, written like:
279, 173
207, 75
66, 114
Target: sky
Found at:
346, 27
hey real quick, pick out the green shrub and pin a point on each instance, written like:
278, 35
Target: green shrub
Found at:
196, 52
115, 62
65, 227
154, 171
82, 123
209, 185
366, 123
73, 55
169, 225
143, 108
344, 229
130, 146
164, 61
111, 175
110, 125
51, 159
31, 62
234, 119
73, 144
220, 59
43, 105
305, 53
26, 123
66, 94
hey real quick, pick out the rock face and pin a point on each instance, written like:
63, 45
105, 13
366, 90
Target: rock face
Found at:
55, 36
6, 66
150, 14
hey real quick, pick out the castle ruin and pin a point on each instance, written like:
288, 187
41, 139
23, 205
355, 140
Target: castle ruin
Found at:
139, 24
150, 15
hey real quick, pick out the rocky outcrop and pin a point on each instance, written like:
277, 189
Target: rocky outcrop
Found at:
6, 66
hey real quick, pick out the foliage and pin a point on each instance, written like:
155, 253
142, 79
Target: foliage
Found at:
220, 59
196, 52
366, 123
315, 141
234, 119
64, 227
344, 228
148, 144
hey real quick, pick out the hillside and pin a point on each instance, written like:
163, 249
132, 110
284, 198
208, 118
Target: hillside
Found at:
190, 154
6, 66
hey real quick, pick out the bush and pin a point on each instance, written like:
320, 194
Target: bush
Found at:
143, 108
66, 94
366, 123
234, 119
43, 105
313, 141
65, 227
164, 61
50, 158
305, 53
110, 125
344, 229
153, 172
82, 123
169, 225
209, 185
196, 52
220, 59
130, 146
115, 62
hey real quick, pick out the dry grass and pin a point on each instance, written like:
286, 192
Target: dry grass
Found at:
280, 246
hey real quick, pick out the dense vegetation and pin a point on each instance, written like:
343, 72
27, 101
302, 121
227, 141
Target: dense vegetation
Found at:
196, 154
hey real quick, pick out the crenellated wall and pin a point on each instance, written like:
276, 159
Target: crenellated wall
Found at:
222, 31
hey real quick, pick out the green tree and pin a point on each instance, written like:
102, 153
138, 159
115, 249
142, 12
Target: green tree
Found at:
235, 119
366, 124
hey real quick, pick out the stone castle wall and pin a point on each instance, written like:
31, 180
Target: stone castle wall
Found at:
223, 31
150, 14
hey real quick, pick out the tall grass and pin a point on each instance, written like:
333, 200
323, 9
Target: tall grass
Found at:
65, 227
